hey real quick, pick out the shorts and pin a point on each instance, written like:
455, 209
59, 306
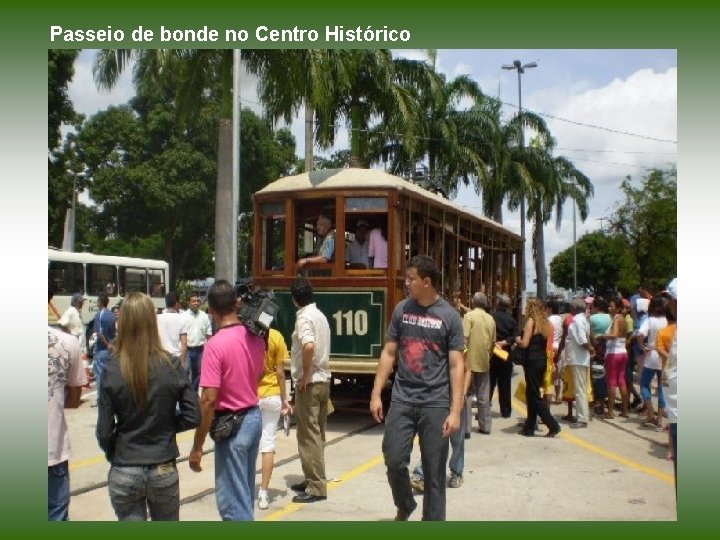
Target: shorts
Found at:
270, 408
615, 366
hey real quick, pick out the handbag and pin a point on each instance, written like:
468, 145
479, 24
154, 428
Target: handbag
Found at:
518, 355
226, 425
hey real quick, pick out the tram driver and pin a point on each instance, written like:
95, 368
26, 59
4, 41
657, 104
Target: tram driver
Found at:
326, 252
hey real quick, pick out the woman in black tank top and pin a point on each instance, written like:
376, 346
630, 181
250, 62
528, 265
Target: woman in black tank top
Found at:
534, 339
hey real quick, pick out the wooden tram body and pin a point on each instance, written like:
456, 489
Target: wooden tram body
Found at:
474, 253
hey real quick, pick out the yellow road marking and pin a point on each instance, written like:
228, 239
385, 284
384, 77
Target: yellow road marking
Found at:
294, 507
582, 443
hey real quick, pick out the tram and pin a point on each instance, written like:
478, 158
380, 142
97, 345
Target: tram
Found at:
474, 254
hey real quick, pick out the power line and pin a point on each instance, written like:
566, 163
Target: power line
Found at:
603, 128
616, 151
635, 165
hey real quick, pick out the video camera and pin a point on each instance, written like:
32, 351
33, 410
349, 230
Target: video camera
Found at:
257, 309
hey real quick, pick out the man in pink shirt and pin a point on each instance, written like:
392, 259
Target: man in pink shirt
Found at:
233, 364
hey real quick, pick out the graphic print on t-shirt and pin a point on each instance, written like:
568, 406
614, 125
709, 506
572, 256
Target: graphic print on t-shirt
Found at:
58, 365
423, 321
414, 350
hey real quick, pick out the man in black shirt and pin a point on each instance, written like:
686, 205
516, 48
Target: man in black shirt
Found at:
501, 370
425, 339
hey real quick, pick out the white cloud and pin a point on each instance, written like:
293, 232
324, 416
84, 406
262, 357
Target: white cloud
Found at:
644, 103
84, 93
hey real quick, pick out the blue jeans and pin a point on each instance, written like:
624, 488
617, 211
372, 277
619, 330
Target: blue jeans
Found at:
98, 366
235, 459
135, 489
645, 380
58, 492
402, 423
457, 445
194, 363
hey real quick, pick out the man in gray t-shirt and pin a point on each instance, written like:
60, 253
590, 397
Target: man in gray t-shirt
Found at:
425, 337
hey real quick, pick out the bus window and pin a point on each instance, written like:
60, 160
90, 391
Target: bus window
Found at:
156, 279
66, 276
101, 278
273, 235
132, 280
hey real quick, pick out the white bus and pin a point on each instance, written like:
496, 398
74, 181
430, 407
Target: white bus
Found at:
71, 272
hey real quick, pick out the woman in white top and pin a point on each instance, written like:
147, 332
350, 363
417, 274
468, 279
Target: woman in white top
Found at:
616, 358
652, 366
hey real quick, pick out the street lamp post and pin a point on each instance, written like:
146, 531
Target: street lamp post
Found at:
520, 68
574, 250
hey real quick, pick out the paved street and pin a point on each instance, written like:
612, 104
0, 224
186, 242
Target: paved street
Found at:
614, 470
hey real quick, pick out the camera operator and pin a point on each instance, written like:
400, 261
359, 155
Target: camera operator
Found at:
233, 364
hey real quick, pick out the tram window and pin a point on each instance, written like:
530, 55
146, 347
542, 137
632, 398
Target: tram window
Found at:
157, 283
66, 276
132, 280
273, 235
357, 204
315, 236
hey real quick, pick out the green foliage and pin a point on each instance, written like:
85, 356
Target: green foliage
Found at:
604, 263
60, 108
60, 111
264, 156
153, 177
647, 220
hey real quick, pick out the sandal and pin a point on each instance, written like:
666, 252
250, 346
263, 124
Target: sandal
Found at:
608, 416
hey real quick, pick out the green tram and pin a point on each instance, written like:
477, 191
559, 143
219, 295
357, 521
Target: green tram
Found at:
473, 252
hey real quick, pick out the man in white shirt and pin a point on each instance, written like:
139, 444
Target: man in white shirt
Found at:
310, 370
66, 377
578, 349
199, 329
71, 320
172, 328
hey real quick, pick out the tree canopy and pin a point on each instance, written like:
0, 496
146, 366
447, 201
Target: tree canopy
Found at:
641, 246
647, 220
603, 263
152, 179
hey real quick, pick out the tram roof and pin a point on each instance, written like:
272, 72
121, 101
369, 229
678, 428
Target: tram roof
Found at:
354, 178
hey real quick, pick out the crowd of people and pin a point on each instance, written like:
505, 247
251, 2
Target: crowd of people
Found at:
149, 369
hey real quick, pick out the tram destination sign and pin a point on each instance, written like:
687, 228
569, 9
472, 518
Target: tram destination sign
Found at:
356, 318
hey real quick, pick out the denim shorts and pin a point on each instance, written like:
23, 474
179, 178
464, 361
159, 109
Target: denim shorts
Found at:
135, 490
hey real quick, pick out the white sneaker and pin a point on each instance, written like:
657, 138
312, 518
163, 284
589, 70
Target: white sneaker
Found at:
263, 501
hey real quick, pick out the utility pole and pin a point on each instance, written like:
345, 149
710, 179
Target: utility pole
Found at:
602, 220
520, 68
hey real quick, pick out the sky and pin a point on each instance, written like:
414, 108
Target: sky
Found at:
612, 112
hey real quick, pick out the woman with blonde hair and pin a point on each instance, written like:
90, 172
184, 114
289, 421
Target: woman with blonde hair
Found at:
145, 399
535, 339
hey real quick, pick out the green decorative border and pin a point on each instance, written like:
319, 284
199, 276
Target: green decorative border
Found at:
690, 26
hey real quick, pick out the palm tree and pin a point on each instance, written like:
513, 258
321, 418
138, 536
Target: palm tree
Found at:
555, 179
289, 78
373, 88
445, 137
498, 144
